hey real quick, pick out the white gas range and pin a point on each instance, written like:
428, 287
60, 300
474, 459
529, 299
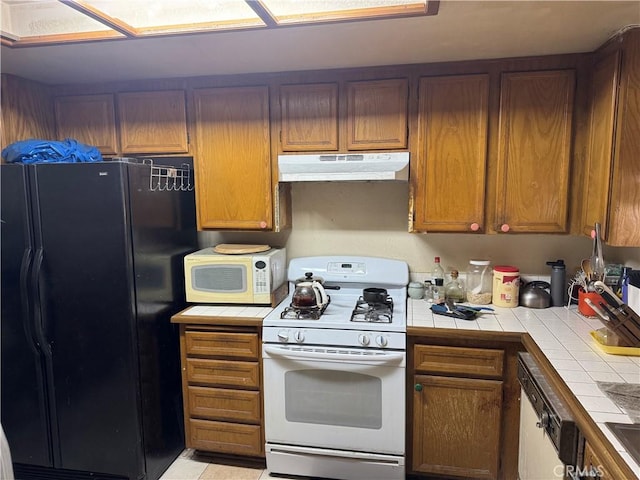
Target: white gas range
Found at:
335, 385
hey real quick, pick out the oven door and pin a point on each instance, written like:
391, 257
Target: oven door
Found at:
338, 398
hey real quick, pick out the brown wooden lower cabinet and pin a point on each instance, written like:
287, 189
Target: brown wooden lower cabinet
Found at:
222, 388
225, 437
463, 404
592, 465
457, 425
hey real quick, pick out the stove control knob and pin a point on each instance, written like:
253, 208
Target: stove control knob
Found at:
382, 341
299, 336
283, 336
364, 339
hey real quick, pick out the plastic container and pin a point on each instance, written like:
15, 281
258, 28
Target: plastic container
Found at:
583, 307
479, 282
506, 286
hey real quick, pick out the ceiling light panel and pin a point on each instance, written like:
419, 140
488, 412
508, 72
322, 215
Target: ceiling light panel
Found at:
39, 18
157, 16
296, 11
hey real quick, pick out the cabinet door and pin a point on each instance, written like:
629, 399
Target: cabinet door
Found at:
624, 208
451, 161
604, 93
309, 117
534, 151
377, 114
153, 122
89, 119
456, 426
233, 163
592, 464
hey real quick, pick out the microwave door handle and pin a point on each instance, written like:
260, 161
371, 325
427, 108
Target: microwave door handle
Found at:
321, 354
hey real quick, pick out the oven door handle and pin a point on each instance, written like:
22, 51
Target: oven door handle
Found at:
378, 359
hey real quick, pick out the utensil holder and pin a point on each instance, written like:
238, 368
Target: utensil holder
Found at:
585, 309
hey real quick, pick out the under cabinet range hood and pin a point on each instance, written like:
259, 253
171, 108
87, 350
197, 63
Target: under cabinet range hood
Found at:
344, 167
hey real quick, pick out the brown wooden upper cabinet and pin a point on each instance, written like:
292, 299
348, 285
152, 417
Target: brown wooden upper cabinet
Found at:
344, 116
89, 119
153, 122
309, 117
377, 114
233, 162
451, 160
148, 122
610, 194
534, 151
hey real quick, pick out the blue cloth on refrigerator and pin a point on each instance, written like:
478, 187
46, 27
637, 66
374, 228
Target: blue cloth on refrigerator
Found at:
50, 151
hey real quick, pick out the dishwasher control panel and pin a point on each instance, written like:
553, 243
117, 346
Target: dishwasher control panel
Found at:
553, 415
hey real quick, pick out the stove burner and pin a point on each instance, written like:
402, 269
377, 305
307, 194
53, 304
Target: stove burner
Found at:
298, 313
373, 312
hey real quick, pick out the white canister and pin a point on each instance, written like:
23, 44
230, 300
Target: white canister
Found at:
415, 290
506, 286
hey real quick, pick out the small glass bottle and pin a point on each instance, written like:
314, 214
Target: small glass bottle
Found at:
437, 272
428, 291
453, 290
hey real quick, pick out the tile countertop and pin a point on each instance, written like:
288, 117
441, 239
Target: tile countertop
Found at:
563, 335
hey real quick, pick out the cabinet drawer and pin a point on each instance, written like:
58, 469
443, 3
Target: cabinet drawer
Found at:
225, 437
224, 404
223, 372
223, 344
459, 360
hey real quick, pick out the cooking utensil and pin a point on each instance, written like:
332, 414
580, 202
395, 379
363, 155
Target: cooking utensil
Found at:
455, 312
375, 295
536, 295
586, 268
309, 294
597, 261
608, 294
599, 311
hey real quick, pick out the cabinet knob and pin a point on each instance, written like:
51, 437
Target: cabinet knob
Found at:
263, 224
505, 227
474, 227
418, 387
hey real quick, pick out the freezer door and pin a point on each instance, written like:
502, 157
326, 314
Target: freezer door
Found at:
25, 417
88, 314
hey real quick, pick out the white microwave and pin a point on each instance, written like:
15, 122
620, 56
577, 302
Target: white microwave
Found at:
254, 278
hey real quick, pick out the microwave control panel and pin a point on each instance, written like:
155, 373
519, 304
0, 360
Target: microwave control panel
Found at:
260, 277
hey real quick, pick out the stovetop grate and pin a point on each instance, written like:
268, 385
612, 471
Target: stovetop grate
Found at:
373, 312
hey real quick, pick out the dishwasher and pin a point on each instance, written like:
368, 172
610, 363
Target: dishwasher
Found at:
548, 446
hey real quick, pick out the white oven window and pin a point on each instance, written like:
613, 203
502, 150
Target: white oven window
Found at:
330, 397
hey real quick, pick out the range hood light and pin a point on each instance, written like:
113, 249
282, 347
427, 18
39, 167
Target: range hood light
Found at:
344, 167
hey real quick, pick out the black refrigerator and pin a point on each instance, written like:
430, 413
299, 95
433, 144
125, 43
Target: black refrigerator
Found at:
91, 274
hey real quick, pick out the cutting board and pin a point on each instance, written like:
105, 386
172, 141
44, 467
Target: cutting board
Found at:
237, 248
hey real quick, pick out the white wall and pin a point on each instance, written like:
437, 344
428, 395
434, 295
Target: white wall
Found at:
370, 218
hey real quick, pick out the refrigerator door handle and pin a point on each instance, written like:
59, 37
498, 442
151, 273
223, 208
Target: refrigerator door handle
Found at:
39, 316
27, 311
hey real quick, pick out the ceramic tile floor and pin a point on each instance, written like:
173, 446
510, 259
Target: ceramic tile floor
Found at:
189, 466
